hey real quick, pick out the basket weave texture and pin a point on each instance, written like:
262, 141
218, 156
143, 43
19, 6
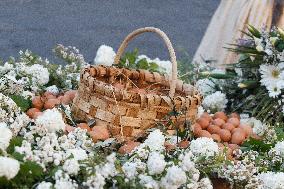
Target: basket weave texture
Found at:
128, 102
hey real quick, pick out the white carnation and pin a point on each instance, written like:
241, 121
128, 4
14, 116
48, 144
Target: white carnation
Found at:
204, 147
5, 136
174, 178
105, 56
78, 154
205, 86
51, 120
156, 163
279, 148
44, 185
148, 182
215, 102
71, 166
9, 167
155, 141
272, 180
40, 74
52, 89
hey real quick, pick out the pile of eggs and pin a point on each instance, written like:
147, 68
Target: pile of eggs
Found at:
48, 101
222, 128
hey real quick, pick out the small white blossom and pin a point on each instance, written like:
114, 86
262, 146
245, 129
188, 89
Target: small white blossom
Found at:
51, 120
156, 163
204, 147
5, 136
105, 56
9, 167
215, 102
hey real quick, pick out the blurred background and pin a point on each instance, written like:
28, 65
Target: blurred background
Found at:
39, 25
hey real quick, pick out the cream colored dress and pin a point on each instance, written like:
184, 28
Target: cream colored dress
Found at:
232, 17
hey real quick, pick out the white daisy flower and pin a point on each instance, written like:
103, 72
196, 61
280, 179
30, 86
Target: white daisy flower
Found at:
270, 74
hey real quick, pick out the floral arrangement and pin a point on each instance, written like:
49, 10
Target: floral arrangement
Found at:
43, 147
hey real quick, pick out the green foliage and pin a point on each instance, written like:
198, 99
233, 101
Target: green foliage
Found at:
129, 60
15, 141
21, 102
256, 145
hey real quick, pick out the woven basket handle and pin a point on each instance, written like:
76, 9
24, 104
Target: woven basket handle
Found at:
168, 43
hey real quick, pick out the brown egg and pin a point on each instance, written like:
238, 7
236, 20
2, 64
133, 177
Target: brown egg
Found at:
60, 97
31, 112
196, 129
71, 94
247, 129
203, 122
213, 129
220, 115
237, 129
183, 144
51, 103
238, 137
228, 126
219, 122
37, 102
235, 115
84, 126
216, 137
234, 121
66, 99
36, 114
204, 133
206, 115
225, 135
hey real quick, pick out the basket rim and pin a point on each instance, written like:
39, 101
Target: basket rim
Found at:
88, 78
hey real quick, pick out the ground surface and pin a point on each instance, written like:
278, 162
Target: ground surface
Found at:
40, 24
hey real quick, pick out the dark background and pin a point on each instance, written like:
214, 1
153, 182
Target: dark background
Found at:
38, 25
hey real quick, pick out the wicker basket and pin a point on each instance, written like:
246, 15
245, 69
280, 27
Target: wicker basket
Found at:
116, 97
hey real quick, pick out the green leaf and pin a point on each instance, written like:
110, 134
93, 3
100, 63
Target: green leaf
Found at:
142, 64
256, 145
15, 141
23, 103
254, 31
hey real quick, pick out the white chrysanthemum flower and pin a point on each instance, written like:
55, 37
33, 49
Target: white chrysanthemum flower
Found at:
274, 90
205, 86
186, 162
205, 147
51, 120
272, 180
148, 182
279, 148
9, 167
71, 166
5, 136
164, 64
52, 89
174, 178
271, 75
105, 56
215, 102
40, 74
156, 163
44, 185
205, 183
155, 141
129, 169
78, 154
